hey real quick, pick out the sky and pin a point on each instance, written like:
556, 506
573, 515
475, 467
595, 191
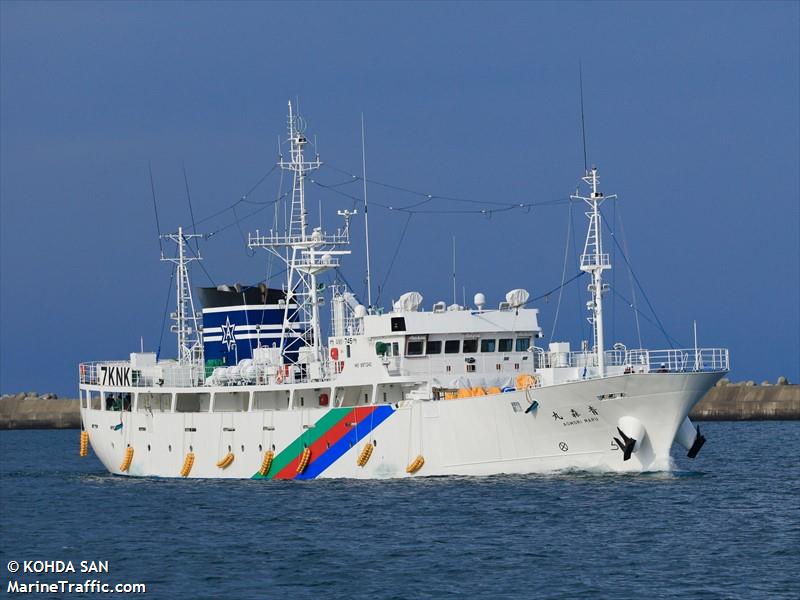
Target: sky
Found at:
691, 114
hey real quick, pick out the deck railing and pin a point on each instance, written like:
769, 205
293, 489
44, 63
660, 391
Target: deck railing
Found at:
640, 360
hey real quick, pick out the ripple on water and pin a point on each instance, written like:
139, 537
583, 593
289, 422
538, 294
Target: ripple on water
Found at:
722, 526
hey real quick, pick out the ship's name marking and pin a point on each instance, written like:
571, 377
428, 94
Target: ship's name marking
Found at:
580, 421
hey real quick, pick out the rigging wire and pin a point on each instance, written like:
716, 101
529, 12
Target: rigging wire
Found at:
429, 197
191, 210
630, 279
243, 198
200, 263
557, 288
264, 206
155, 209
563, 273
166, 312
394, 257
641, 288
410, 208
672, 341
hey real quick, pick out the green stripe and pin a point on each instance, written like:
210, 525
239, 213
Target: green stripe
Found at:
308, 437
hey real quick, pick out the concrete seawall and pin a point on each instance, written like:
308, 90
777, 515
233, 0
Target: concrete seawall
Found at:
731, 402
747, 402
31, 411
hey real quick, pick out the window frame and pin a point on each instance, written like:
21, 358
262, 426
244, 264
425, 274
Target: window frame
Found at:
471, 341
522, 339
449, 343
434, 343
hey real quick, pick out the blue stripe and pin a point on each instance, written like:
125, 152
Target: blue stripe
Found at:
347, 441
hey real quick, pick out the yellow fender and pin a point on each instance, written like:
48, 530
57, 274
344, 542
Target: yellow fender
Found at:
478, 391
366, 452
493, 390
526, 381
266, 463
464, 393
226, 461
188, 463
127, 460
84, 443
304, 458
415, 464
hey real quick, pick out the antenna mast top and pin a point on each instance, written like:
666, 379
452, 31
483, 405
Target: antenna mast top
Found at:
190, 343
595, 261
306, 255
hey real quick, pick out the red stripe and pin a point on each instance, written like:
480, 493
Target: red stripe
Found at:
333, 435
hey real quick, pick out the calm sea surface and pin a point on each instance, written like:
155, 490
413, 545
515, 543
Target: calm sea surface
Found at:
726, 525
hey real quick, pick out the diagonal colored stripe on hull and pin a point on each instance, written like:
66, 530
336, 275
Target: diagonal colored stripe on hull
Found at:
329, 438
351, 438
292, 451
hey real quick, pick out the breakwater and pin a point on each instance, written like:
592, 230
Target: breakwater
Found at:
725, 402
32, 411
749, 402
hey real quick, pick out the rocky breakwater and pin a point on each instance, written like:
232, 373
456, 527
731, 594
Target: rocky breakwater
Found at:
747, 401
32, 411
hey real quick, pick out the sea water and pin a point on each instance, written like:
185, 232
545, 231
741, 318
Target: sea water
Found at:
726, 525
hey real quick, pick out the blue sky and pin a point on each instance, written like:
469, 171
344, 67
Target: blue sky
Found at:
692, 117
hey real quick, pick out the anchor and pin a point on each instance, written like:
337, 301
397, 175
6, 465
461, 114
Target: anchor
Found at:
627, 445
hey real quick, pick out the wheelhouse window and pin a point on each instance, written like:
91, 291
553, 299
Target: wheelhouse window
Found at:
523, 344
505, 344
434, 347
470, 346
488, 345
452, 346
415, 347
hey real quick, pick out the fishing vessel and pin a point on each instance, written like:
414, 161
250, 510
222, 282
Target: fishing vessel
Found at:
410, 391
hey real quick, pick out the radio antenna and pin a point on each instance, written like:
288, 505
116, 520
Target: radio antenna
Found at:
583, 120
366, 215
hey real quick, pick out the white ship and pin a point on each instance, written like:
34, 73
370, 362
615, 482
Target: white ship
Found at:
415, 391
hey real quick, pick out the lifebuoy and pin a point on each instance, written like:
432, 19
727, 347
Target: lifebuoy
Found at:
279, 376
335, 353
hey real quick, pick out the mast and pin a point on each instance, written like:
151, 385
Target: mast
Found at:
595, 261
190, 345
366, 215
306, 255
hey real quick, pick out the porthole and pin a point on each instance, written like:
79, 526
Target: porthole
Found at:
112, 444
375, 443
259, 448
191, 449
229, 447
273, 447
169, 448
242, 447
148, 447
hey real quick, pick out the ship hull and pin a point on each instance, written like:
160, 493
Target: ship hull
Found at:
561, 427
